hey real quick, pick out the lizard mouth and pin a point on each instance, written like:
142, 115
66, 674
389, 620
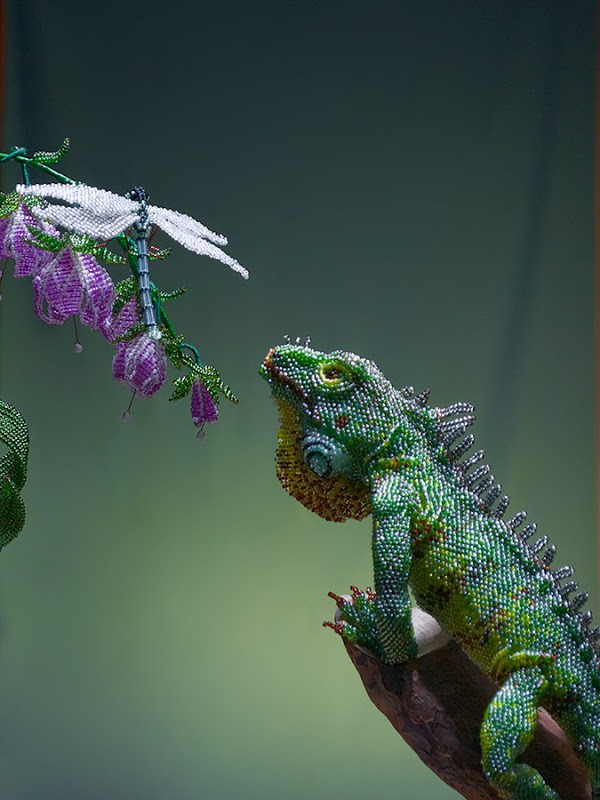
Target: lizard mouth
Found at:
270, 369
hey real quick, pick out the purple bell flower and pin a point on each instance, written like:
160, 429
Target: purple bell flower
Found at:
71, 284
203, 407
14, 230
141, 364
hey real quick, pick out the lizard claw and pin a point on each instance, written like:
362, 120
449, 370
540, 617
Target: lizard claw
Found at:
339, 601
355, 619
338, 627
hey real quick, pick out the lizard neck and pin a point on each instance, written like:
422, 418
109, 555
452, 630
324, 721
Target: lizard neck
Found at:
398, 451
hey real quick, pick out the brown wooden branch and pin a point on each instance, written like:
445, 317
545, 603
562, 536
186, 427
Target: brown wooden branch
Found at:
436, 703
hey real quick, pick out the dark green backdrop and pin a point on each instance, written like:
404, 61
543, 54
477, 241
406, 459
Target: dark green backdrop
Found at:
409, 180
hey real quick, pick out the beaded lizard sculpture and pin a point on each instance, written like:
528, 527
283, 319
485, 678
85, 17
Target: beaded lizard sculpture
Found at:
351, 444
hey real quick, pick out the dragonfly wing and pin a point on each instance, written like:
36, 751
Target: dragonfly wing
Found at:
82, 220
91, 211
101, 201
186, 223
198, 245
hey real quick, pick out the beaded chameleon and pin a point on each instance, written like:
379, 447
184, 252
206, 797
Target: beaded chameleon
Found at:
351, 444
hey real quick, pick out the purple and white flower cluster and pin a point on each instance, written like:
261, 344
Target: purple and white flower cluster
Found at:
65, 283
68, 283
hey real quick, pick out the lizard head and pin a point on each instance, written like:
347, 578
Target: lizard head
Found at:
335, 409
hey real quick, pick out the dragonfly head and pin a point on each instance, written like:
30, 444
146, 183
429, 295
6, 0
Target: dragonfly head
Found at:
139, 195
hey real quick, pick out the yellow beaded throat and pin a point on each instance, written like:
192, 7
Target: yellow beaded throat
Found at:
335, 499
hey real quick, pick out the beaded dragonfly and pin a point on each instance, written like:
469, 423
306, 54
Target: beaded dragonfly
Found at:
104, 215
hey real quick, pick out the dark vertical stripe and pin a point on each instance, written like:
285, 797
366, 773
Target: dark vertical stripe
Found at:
27, 72
511, 357
597, 270
3, 44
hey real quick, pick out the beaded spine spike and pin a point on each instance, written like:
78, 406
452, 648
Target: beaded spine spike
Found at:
478, 481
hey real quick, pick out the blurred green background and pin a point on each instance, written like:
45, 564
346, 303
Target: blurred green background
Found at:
412, 181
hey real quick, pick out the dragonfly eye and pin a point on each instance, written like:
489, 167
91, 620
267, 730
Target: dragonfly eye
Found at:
138, 194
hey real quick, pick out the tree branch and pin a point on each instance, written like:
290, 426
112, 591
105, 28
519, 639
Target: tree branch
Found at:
436, 703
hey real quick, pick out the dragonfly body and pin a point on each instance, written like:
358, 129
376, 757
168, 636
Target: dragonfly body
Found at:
142, 231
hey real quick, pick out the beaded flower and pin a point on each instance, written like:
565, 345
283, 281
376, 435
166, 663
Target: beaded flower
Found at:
69, 280
15, 237
73, 284
141, 364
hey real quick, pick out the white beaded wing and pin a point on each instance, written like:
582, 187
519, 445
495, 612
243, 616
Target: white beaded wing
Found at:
104, 215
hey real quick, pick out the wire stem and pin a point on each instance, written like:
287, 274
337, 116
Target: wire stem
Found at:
19, 154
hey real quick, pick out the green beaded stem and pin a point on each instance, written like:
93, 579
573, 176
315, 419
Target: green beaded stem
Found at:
39, 161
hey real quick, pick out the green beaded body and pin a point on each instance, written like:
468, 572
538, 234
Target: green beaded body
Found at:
476, 575
350, 444
492, 593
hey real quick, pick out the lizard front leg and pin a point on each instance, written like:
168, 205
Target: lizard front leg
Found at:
391, 547
381, 621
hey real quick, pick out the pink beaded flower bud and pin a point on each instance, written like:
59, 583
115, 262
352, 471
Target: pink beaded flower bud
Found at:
141, 364
203, 407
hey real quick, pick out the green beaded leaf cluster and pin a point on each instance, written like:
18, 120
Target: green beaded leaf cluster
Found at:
209, 377
53, 156
13, 472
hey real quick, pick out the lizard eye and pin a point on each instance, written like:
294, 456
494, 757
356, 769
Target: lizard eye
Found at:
330, 374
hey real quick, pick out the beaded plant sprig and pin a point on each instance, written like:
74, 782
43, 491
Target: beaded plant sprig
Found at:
60, 246
13, 471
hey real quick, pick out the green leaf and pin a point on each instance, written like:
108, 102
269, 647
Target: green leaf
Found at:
213, 382
52, 156
174, 294
106, 254
14, 434
209, 377
183, 386
187, 361
13, 471
12, 511
81, 243
9, 204
127, 286
125, 290
44, 241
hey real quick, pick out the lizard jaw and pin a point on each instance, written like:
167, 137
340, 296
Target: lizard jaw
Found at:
280, 381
